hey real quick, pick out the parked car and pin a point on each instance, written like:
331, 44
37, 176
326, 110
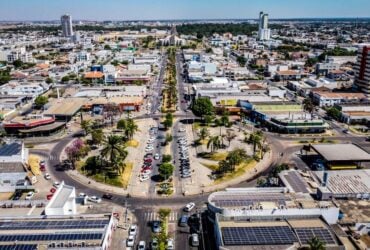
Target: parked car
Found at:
47, 176
156, 226
154, 244
49, 196
141, 245
183, 222
133, 230
194, 240
170, 245
107, 196
30, 195
130, 241
56, 184
156, 156
94, 199
144, 177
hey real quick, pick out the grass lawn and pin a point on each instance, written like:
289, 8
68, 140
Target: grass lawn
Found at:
126, 175
212, 167
132, 143
239, 171
216, 156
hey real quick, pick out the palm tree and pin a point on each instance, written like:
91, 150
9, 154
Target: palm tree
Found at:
256, 140
131, 128
203, 133
316, 244
230, 135
214, 143
114, 151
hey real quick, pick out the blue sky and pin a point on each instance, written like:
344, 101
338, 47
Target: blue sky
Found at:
179, 9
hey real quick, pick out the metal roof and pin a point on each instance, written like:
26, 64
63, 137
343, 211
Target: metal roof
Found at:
341, 152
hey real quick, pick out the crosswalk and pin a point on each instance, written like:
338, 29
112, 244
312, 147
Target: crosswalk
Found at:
152, 216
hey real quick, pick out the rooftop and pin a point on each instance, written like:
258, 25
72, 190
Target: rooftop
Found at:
341, 152
14, 148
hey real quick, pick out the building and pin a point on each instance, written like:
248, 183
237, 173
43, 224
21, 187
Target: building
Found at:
343, 184
13, 160
362, 69
63, 201
324, 98
358, 113
270, 218
13, 54
264, 32
57, 232
67, 27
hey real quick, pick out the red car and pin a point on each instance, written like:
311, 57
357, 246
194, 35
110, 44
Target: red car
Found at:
49, 196
42, 168
146, 169
148, 160
52, 190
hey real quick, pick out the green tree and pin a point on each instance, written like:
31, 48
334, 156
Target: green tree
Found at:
65, 79
208, 119
255, 139
97, 136
166, 170
107, 47
214, 143
202, 107
49, 80
168, 121
225, 120
86, 126
169, 138
241, 60
131, 128
40, 101
114, 151
17, 64
203, 133
166, 158
230, 135
316, 244
308, 106
334, 112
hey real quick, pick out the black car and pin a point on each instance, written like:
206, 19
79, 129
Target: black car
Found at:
107, 196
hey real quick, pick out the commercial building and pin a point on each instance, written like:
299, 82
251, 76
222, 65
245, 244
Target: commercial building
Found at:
57, 232
270, 218
63, 201
362, 69
67, 28
341, 156
325, 98
13, 160
343, 184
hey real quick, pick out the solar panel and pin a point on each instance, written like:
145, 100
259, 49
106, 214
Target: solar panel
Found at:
280, 235
296, 182
50, 237
10, 149
307, 233
40, 225
18, 247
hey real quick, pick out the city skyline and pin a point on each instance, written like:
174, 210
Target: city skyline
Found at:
40, 10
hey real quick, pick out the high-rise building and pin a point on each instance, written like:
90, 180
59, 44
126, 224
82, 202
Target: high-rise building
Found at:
67, 28
263, 31
362, 69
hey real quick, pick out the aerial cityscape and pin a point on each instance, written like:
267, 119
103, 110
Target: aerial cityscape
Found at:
164, 130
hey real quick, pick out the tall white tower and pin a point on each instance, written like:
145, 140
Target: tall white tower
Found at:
264, 32
67, 27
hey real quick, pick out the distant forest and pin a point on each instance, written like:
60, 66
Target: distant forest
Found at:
199, 30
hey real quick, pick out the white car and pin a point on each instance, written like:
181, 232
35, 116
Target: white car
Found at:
47, 176
170, 245
156, 156
182, 130
189, 207
56, 184
141, 245
133, 230
94, 199
130, 241
30, 195
144, 177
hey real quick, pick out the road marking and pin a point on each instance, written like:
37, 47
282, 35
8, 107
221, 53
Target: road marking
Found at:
153, 216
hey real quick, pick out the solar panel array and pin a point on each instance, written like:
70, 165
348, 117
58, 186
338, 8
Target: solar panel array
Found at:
296, 182
10, 149
280, 235
18, 247
51, 237
39, 225
307, 233
247, 199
